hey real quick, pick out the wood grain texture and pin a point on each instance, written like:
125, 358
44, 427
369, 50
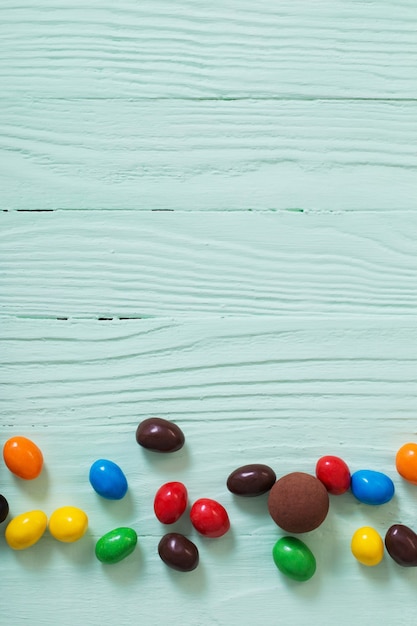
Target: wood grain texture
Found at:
281, 391
221, 49
257, 155
216, 369
126, 264
267, 304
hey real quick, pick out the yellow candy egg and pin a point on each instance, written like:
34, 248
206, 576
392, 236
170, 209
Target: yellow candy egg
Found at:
367, 546
68, 524
26, 529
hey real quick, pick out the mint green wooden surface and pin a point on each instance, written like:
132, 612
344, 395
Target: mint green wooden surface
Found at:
250, 154
230, 242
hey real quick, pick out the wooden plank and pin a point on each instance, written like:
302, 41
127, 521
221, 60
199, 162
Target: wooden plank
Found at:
173, 264
233, 49
326, 155
274, 306
226, 369
278, 391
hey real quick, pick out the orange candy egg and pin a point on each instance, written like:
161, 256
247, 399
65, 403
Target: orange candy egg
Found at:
406, 462
23, 457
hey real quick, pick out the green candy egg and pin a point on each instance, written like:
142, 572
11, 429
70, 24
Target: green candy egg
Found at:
116, 545
294, 559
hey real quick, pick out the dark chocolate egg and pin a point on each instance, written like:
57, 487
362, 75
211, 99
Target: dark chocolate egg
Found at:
401, 544
159, 435
298, 502
251, 480
178, 552
4, 508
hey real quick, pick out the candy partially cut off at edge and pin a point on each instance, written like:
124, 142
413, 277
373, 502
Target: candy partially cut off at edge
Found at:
4, 508
406, 462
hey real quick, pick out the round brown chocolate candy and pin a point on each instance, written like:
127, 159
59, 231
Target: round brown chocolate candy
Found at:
159, 435
298, 502
251, 480
178, 552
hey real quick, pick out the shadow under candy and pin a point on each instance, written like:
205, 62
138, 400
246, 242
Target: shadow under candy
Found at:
79, 553
254, 506
190, 583
38, 487
125, 572
118, 510
167, 462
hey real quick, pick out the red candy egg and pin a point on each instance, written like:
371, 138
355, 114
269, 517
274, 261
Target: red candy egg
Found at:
209, 518
333, 472
170, 502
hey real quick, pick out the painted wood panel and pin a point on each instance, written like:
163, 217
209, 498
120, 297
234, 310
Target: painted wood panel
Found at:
221, 49
280, 391
112, 154
237, 368
236, 251
158, 264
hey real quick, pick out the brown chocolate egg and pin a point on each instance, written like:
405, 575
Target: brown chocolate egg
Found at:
401, 544
178, 552
4, 508
251, 480
159, 435
298, 502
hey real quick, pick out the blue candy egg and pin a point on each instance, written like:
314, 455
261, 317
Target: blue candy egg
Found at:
108, 480
371, 487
